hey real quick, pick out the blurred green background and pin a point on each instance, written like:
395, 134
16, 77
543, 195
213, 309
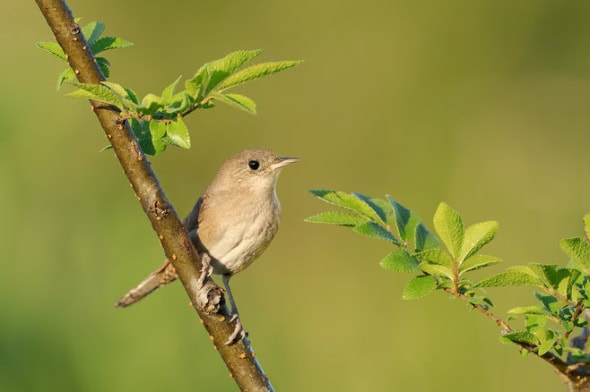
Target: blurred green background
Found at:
481, 104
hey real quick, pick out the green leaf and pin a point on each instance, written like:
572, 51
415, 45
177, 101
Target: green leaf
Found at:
550, 275
514, 276
425, 239
535, 322
406, 221
578, 250
476, 236
374, 230
419, 287
348, 201
129, 98
449, 227
338, 218
547, 344
477, 262
92, 31
255, 72
150, 104
210, 75
552, 304
151, 143
52, 48
96, 92
168, 92
104, 66
177, 132
400, 261
66, 75
524, 337
437, 256
380, 207
437, 270
236, 100
108, 43
527, 310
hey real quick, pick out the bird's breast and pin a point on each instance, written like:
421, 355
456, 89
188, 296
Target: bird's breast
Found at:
240, 236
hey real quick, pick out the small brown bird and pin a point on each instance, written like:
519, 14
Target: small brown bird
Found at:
231, 224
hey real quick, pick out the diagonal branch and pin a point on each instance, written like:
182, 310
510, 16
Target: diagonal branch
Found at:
208, 302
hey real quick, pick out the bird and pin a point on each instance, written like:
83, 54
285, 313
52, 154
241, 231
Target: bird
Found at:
231, 224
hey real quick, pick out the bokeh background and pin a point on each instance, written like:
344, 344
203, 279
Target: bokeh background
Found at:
483, 104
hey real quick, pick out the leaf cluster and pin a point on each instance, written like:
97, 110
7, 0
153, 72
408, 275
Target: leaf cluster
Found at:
157, 120
417, 250
444, 261
97, 44
562, 299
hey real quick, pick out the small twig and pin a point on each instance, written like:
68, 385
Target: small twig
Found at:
579, 309
499, 322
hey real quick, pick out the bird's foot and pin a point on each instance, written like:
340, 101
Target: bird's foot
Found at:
206, 270
239, 332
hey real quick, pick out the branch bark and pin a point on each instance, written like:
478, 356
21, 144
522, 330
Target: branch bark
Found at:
209, 301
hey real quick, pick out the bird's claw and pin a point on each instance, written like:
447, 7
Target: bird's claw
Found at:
206, 270
239, 332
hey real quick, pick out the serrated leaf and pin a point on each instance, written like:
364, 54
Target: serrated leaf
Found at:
178, 134
92, 31
437, 256
116, 88
475, 237
168, 92
449, 227
546, 345
550, 274
477, 262
108, 43
578, 250
337, 218
527, 310
210, 75
158, 131
96, 92
400, 261
255, 72
104, 66
150, 104
521, 337
65, 76
152, 144
52, 48
347, 201
514, 276
419, 287
374, 230
425, 239
128, 96
236, 100
535, 322
550, 303
405, 220
437, 270
377, 205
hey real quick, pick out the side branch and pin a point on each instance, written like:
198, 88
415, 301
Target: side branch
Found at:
239, 358
577, 378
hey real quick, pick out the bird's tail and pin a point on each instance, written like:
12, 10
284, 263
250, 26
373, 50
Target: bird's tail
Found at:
160, 277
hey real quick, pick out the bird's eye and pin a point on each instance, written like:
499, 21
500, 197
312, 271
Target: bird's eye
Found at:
254, 164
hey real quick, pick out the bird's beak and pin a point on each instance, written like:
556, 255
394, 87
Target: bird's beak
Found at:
283, 161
